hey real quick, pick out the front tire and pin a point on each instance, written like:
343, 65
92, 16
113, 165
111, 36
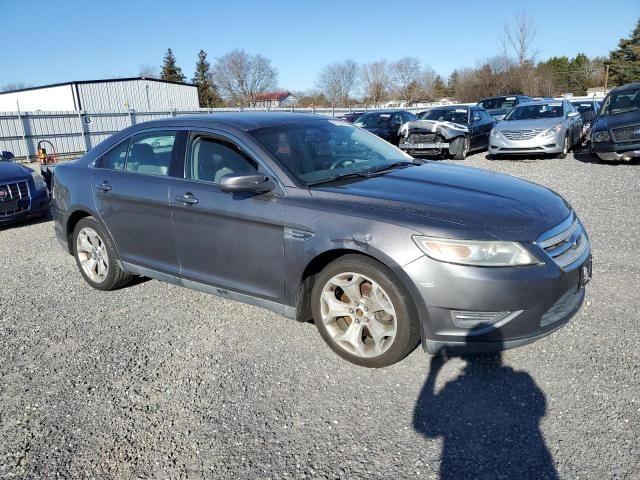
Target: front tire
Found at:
461, 147
96, 256
363, 312
565, 148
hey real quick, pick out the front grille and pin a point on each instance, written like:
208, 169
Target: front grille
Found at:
520, 134
566, 243
16, 191
423, 138
626, 134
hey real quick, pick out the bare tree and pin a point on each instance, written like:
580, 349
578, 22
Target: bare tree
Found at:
148, 71
241, 77
376, 80
406, 76
519, 38
337, 80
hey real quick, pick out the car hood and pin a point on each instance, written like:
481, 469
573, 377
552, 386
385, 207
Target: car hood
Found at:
13, 171
540, 123
619, 120
453, 201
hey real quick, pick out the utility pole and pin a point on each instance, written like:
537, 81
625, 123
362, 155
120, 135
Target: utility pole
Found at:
606, 78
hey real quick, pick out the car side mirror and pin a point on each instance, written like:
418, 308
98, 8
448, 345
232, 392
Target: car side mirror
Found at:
476, 118
573, 114
246, 182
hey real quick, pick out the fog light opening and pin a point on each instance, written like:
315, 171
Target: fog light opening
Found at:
471, 319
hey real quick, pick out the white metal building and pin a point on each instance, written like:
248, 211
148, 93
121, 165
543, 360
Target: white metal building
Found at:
113, 95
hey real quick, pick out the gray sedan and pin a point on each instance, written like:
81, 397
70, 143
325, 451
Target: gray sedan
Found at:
314, 218
543, 127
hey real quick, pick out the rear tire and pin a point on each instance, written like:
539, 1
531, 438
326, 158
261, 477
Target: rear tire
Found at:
363, 313
96, 256
460, 147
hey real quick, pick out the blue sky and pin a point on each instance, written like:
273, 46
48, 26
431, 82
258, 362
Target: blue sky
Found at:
57, 41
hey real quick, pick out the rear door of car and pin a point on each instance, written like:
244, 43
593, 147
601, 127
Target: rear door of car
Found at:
229, 241
131, 192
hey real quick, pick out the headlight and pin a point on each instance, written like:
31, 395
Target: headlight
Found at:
600, 136
478, 253
553, 130
39, 181
495, 133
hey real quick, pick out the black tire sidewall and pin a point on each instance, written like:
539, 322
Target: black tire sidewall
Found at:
408, 329
460, 154
111, 281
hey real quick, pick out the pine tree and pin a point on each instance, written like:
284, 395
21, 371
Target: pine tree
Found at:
202, 78
439, 88
625, 61
170, 70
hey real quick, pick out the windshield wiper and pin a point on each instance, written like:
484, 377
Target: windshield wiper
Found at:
368, 173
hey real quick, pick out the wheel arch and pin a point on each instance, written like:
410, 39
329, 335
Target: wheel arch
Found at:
320, 261
72, 221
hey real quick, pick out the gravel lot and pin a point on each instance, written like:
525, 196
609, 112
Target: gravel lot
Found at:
159, 381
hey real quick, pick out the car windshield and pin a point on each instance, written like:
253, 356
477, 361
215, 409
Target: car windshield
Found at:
536, 111
500, 103
583, 107
621, 102
373, 120
457, 115
323, 150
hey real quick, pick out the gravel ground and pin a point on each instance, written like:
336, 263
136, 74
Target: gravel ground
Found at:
159, 381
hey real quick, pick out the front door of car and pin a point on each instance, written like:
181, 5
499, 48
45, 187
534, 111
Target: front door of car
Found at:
482, 123
231, 241
131, 188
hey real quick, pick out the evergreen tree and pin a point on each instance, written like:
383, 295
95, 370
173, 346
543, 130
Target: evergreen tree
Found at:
439, 89
452, 83
625, 61
170, 70
202, 78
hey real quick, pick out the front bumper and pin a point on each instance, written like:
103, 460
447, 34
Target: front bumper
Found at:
536, 145
536, 300
36, 205
418, 149
615, 152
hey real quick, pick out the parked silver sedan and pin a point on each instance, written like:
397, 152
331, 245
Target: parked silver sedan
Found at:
542, 127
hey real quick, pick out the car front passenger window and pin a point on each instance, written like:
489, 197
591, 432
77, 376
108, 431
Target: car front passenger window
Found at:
210, 160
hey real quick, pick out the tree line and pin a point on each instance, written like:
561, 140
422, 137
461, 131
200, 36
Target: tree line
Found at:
238, 78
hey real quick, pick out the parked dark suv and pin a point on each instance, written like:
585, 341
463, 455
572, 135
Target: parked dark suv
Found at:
616, 132
314, 218
23, 192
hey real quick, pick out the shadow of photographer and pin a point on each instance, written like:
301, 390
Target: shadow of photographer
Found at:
489, 420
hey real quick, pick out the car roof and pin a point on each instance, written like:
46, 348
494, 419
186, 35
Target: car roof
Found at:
240, 120
385, 111
628, 86
540, 102
503, 96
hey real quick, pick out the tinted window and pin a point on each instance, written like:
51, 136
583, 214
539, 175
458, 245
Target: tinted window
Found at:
150, 153
621, 102
115, 158
583, 106
373, 120
500, 103
408, 117
209, 160
455, 115
532, 112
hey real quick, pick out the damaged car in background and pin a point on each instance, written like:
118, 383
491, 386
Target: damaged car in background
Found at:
452, 130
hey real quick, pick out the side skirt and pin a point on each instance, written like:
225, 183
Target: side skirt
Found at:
279, 308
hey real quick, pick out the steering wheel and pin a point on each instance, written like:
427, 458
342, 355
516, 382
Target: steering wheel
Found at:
341, 163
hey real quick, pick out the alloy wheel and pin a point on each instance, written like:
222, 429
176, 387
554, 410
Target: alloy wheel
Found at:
358, 315
92, 254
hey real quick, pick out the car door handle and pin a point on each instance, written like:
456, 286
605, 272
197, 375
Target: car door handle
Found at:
104, 187
187, 199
